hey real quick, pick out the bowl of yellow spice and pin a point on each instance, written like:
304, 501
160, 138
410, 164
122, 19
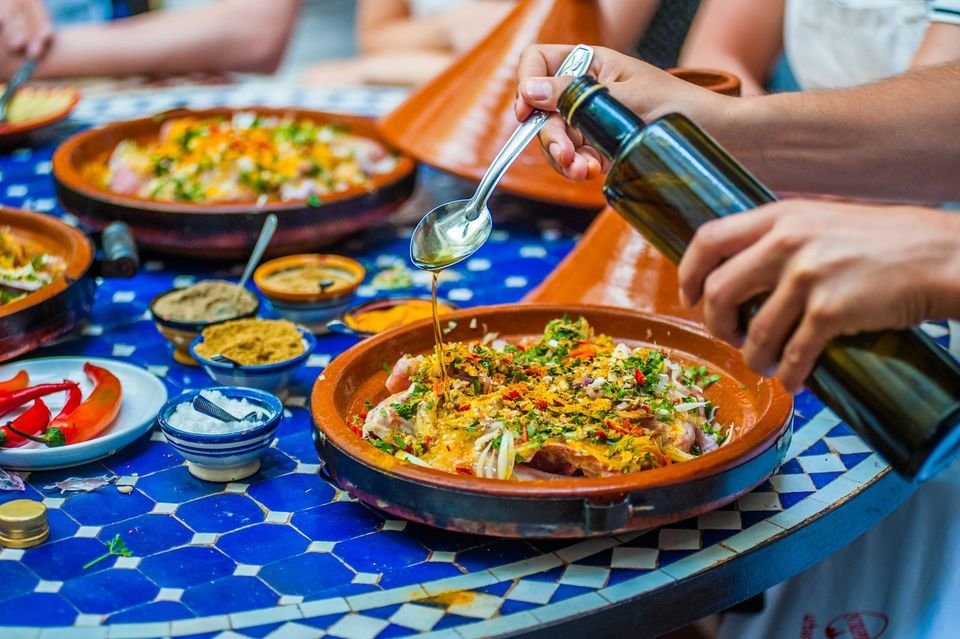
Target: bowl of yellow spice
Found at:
255, 353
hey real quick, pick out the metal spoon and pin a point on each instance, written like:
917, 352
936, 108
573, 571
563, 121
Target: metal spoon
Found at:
203, 405
454, 231
18, 80
266, 234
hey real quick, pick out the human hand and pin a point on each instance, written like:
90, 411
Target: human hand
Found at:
646, 90
25, 28
829, 268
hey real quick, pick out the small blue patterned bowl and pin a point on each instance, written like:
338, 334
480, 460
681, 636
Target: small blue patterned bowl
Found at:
269, 377
224, 457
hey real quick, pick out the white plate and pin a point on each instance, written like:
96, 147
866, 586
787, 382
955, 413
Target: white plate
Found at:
143, 396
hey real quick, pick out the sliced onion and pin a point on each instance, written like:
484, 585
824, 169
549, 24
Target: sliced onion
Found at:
507, 456
413, 459
687, 406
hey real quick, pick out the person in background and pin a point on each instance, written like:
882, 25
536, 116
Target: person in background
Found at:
408, 42
829, 268
827, 43
221, 35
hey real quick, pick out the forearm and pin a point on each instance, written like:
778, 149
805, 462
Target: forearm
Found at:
897, 140
429, 33
200, 39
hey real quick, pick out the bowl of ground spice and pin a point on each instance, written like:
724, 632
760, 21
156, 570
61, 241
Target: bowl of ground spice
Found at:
182, 313
255, 353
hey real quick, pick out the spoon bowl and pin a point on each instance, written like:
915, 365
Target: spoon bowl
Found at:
449, 234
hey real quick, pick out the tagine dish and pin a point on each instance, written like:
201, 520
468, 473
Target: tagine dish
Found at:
173, 176
25, 267
245, 157
571, 402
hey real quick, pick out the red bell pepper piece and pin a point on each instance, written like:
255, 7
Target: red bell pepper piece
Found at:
92, 416
19, 381
640, 378
30, 422
10, 400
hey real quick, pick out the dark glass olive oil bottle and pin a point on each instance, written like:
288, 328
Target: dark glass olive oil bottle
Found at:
898, 389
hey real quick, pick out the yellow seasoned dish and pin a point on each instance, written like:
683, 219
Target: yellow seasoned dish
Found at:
24, 267
244, 158
569, 403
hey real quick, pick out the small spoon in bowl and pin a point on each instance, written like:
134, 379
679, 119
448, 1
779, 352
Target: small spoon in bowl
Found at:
454, 231
266, 234
203, 405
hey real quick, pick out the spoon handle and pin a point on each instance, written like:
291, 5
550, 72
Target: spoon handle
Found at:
576, 63
18, 80
266, 234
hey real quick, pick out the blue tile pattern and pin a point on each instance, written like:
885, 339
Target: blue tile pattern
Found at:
285, 553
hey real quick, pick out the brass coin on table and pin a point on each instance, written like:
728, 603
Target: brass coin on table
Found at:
23, 523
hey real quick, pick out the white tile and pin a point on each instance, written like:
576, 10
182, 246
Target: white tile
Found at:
460, 295
394, 524
847, 445
934, 330
836, 490
499, 235
759, 501
698, 562
634, 558
295, 401
88, 620
530, 591
866, 470
48, 586
828, 463
479, 579
793, 483
515, 281
129, 563
380, 598
507, 625
798, 513
678, 539
422, 618
479, 605
308, 469
124, 297
585, 576
277, 517
230, 634
198, 625
533, 251
290, 600
478, 264
586, 548
183, 281
123, 350
164, 509
264, 616
87, 632
158, 370
323, 607
634, 587
11, 554
318, 360
158, 436
139, 630
532, 566
88, 531
127, 480
321, 546
572, 607
295, 631
759, 533
371, 578
169, 594
236, 487
246, 570
441, 556
720, 520
550, 235
153, 265
203, 539
92, 330
53, 502
43, 168
354, 626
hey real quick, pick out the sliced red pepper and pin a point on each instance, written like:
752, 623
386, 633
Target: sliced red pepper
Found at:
541, 404
29, 423
73, 400
512, 394
464, 470
639, 377
464, 408
92, 416
19, 381
10, 400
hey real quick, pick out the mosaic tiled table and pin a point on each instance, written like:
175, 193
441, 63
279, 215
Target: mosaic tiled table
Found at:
285, 554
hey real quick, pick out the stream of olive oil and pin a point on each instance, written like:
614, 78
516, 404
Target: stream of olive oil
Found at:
438, 337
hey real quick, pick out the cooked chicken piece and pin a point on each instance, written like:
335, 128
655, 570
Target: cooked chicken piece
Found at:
561, 459
400, 375
383, 419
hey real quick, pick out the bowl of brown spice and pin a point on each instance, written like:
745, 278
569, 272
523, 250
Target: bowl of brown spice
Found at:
255, 353
181, 314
